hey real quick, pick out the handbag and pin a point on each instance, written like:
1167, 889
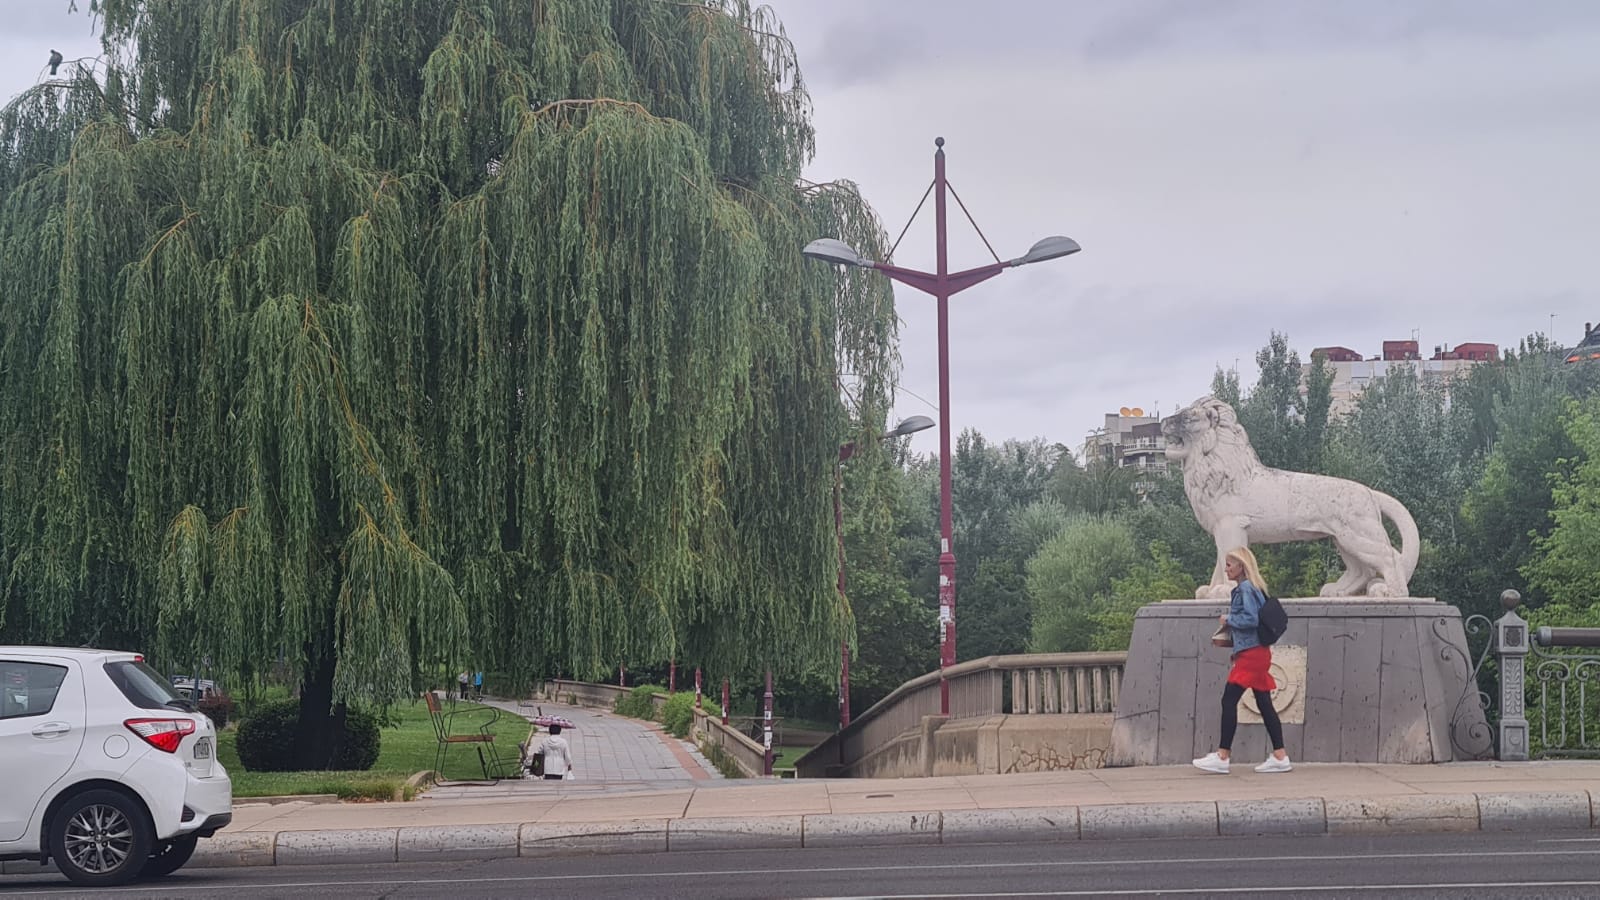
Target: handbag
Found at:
1223, 637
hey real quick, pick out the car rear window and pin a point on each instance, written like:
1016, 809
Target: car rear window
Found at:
143, 686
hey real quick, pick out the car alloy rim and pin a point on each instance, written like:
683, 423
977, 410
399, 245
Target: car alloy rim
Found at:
99, 839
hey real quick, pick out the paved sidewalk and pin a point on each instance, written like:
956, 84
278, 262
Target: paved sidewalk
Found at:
1164, 801
610, 753
1167, 801
637, 793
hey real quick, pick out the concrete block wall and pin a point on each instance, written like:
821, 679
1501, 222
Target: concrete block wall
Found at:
1383, 682
992, 745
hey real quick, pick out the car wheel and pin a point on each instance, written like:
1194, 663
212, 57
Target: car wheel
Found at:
170, 857
100, 838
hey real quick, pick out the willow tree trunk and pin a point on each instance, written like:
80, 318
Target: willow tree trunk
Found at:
319, 736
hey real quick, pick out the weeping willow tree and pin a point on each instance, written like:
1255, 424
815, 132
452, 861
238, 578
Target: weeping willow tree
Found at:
379, 336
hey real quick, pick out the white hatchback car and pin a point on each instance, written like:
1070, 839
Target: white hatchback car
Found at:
107, 771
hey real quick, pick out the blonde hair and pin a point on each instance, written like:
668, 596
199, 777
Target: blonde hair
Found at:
1251, 570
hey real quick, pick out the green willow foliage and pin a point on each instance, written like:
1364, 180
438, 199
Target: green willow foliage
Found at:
394, 333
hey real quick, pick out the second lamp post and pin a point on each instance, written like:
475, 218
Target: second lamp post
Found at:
906, 426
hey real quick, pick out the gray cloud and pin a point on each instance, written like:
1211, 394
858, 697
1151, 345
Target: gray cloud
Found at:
848, 42
46, 19
1350, 183
1150, 26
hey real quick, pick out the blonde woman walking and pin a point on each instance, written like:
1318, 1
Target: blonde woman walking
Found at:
1252, 667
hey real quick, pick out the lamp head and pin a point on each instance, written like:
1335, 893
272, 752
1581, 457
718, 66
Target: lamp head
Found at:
835, 251
1052, 247
910, 426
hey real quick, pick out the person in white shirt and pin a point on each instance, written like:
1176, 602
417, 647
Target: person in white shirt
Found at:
557, 755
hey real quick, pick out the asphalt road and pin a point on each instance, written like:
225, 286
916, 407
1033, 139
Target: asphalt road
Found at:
1411, 866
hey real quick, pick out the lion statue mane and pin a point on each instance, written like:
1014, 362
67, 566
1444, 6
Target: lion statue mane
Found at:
1241, 502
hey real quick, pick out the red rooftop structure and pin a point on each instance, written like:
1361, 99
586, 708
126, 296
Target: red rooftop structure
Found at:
1397, 350
1474, 351
1336, 354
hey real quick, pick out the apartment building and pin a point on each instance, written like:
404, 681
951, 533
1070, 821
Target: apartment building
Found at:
1352, 373
1129, 439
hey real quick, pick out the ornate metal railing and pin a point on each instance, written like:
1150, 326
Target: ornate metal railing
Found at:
1472, 736
1562, 672
1546, 674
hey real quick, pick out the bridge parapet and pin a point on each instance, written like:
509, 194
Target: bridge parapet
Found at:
1017, 684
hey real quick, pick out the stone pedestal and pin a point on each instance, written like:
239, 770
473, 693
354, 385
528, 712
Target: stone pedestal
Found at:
1359, 680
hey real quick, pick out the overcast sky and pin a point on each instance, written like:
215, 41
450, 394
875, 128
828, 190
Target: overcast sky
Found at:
1347, 172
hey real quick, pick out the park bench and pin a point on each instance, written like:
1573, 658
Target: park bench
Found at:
482, 739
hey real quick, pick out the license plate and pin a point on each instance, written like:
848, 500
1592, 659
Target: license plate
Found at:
202, 748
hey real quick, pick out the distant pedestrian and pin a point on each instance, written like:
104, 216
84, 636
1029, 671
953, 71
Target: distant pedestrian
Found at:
477, 685
1252, 666
461, 685
557, 755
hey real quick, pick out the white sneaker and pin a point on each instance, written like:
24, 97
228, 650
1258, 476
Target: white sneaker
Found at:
1212, 763
1273, 764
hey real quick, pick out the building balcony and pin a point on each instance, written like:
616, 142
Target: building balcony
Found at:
1144, 464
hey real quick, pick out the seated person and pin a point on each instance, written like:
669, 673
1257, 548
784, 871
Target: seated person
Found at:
557, 755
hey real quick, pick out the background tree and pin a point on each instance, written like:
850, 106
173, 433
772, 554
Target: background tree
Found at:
991, 483
1096, 487
389, 334
1160, 577
1506, 511
1563, 568
1070, 582
895, 630
1286, 412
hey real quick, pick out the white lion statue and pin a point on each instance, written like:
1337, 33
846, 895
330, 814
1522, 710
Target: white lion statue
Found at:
1241, 502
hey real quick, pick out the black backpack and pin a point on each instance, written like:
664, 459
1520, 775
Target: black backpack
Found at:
1272, 622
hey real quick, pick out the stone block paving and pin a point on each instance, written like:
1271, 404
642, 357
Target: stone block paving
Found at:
610, 753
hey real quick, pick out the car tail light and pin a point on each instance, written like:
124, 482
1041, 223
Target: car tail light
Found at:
163, 734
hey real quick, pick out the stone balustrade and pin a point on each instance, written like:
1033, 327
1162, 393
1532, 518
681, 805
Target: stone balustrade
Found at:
1040, 684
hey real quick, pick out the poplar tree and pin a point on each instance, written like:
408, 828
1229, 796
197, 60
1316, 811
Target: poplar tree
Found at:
384, 336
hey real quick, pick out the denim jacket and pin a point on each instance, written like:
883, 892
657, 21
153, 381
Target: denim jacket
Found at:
1244, 612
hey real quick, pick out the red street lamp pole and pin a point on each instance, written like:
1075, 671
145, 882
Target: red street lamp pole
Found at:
942, 285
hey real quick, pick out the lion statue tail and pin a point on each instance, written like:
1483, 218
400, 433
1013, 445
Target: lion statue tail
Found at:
1410, 539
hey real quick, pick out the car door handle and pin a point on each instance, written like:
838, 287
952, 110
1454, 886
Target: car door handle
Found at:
51, 729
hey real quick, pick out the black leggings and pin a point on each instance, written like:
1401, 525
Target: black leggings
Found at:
1230, 716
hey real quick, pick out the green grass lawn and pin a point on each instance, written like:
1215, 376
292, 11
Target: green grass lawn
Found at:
784, 757
406, 749
811, 724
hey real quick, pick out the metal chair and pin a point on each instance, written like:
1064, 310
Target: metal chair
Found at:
482, 739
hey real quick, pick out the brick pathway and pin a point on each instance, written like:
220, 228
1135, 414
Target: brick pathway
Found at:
608, 751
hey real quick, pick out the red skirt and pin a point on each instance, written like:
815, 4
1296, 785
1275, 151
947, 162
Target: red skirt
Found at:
1253, 669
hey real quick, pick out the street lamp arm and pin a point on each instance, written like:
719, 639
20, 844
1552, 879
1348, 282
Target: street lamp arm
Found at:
960, 281
954, 283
